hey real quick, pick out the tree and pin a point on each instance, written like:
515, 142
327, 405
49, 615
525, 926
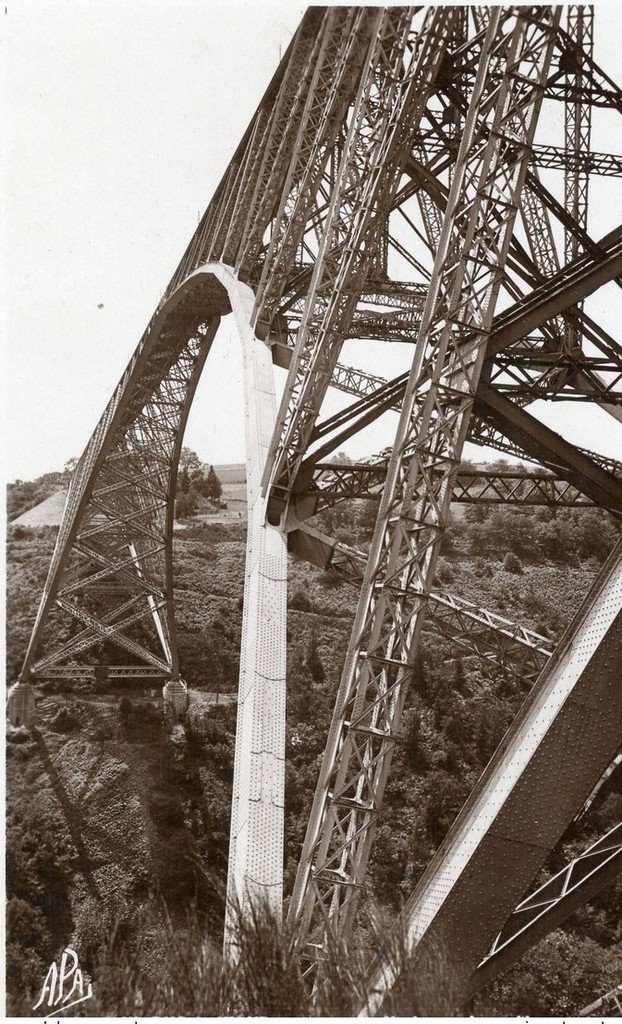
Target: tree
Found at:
186, 504
213, 488
414, 741
512, 564
313, 661
190, 460
537, 985
459, 680
446, 794
183, 480
367, 515
300, 600
341, 457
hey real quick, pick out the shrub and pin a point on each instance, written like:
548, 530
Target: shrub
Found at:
166, 810
19, 753
300, 601
414, 743
313, 661
512, 564
66, 718
126, 709
330, 578
444, 571
39, 917
142, 719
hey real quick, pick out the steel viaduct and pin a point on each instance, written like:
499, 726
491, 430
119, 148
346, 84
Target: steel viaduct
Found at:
387, 188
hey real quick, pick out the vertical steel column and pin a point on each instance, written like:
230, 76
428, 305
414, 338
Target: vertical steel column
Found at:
256, 844
578, 132
481, 209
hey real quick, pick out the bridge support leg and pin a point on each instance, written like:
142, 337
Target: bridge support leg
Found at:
175, 697
20, 707
256, 844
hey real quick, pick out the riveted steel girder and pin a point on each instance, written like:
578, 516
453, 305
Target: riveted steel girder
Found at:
489, 171
471, 628
334, 482
551, 903
526, 796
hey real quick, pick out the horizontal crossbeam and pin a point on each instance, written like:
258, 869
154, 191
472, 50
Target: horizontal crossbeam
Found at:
336, 482
102, 672
556, 157
543, 444
552, 903
472, 628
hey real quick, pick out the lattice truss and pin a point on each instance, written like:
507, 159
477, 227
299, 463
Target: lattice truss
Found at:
398, 190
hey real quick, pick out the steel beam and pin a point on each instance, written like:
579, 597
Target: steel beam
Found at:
609, 1005
546, 446
583, 877
471, 628
334, 482
345, 42
488, 175
389, 105
578, 127
558, 157
568, 729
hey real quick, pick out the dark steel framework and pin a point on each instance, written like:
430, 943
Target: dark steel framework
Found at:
386, 189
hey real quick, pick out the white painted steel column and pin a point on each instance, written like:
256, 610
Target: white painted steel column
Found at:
256, 843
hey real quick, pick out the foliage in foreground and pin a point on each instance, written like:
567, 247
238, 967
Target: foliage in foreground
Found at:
529, 565
186, 974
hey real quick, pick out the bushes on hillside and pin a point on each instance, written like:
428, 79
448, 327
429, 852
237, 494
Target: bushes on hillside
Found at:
142, 720
300, 601
66, 719
512, 564
556, 978
456, 713
536, 535
25, 494
39, 917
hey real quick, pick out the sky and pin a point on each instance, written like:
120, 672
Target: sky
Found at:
121, 119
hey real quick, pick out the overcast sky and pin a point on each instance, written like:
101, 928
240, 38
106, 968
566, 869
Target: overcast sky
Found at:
122, 117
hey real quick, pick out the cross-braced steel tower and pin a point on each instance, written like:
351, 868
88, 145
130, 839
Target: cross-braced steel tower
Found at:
388, 188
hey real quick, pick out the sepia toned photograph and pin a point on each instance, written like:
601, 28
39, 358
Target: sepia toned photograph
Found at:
313, 461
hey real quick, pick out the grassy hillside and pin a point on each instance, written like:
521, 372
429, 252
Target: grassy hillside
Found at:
110, 812
25, 494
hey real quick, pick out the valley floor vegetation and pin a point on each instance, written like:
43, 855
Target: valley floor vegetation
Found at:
117, 822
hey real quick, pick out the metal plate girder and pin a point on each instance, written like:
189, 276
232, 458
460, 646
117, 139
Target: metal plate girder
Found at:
550, 904
562, 740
